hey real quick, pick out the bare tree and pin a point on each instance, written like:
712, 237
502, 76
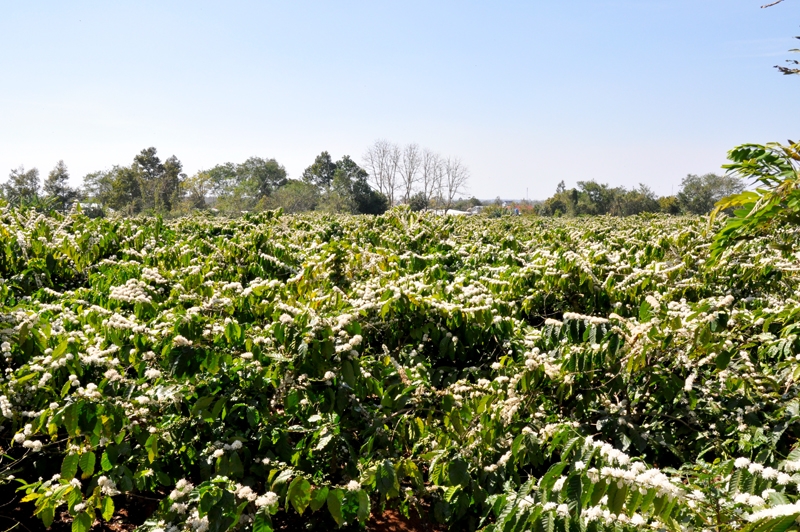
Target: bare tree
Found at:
395, 155
412, 169
382, 160
454, 181
431, 175
409, 170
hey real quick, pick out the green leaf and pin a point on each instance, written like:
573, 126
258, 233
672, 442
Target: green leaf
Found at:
236, 469
262, 523
387, 483
299, 494
105, 462
458, 472
108, 508
82, 522
363, 506
208, 499
723, 359
218, 409
574, 491
281, 479
645, 312
47, 514
451, 492
318, 498
202, 404
71, 418
335, 498
87, 462
347, 373
69, 467
151, 445
618, 502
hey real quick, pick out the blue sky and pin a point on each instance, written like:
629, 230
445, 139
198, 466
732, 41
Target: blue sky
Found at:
526, 93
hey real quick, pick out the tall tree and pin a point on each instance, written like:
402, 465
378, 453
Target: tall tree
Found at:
97, 186
197, 189
365, 199
430, 177
698, 194
454, 181
126, 192
22, 187
262, 176
159, 182
321, 171
409, 167
347, 190
57, 189
382, 161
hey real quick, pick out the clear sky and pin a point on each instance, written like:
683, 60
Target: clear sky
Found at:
526, 93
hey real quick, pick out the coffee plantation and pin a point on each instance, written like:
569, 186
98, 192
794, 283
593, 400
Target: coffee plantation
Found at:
504, 374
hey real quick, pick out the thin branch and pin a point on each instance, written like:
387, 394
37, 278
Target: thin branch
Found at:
776, 2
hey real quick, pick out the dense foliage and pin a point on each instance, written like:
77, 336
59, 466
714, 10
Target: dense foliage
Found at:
697, 195
773, 208
498, 374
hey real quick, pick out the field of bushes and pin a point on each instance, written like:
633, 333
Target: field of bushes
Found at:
505, 374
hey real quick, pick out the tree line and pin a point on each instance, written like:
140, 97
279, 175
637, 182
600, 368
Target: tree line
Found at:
396, 175
697, 195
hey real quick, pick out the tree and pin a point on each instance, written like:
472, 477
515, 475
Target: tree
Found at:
454, 181
295, 196
261, 176
409, 167
382, 160
159, 182
168, 189
595, 198
244, 186
669, 205
560, 203
197, 190
97, 186
22, 187
634, 201
348, 191
431, 176
698, 194
418, 202
56, 188
125, 194
224, 180
320, 173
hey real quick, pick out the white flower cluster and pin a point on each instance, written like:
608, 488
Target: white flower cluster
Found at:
5, 407
107, 486
197, 523
635, 475
133, 291
780, 510
245, 492
182, 488
180, 341
22, 438
598, 513
269, 499
767, 473
593, 320
220, 449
